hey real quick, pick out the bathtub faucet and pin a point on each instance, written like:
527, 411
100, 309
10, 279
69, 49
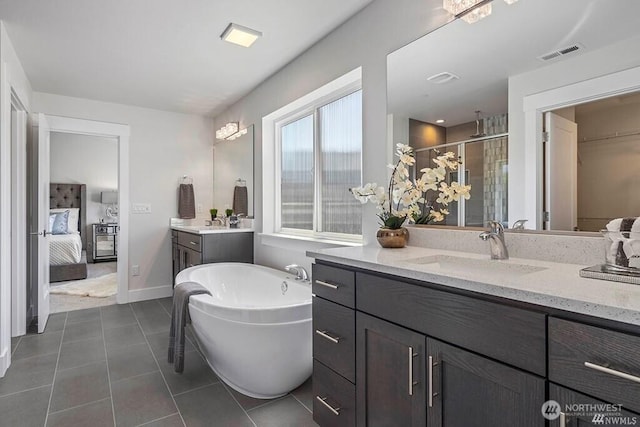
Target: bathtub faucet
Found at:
301, 273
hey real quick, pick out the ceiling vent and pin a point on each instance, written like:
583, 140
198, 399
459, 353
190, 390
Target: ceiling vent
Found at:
442, 78
561, 52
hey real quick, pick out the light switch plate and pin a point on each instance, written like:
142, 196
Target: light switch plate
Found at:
141, 208
135, 270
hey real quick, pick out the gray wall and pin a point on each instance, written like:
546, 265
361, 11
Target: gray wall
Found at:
364, 40
89, 160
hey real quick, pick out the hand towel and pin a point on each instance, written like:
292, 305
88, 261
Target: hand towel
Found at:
186, 202
632, 251
240, 200
179, 319
624, 224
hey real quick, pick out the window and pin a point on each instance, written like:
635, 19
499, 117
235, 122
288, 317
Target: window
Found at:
320, 158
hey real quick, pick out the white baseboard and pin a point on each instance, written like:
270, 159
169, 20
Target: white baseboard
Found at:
150, 293
4, 362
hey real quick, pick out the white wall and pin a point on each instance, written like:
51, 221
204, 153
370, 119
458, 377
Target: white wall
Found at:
619, 56
89, 160
12, 77
365, 40
163, 147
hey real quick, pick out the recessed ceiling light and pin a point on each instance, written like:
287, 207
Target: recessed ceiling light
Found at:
240, 35
440, 121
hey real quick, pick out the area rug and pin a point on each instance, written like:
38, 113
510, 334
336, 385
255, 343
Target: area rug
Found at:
98, 287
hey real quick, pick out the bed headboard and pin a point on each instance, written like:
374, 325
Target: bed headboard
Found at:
71, 196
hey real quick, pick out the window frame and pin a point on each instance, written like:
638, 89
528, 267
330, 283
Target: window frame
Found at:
311, 108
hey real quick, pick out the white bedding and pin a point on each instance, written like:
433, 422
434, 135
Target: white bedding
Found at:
65, 248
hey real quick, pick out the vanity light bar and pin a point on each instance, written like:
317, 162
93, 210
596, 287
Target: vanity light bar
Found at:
237, 134
227, 130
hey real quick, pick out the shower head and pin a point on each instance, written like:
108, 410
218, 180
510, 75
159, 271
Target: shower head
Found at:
478, 134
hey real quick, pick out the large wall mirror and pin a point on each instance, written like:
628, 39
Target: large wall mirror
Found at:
233, 173
465, 88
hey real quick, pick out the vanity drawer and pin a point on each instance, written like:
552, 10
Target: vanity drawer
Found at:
191, 241
334, 337
596, 361
509, 334
334, 284
332, 393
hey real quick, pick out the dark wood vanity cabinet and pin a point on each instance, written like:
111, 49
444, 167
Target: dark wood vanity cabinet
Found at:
392, 353
191, 249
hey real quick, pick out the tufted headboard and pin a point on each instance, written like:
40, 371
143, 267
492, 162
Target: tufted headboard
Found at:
71, 196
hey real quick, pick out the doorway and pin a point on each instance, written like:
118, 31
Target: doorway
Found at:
88, 207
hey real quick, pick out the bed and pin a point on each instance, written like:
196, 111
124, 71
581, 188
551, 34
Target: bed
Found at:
67, 251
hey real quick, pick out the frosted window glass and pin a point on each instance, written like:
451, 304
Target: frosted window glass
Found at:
340, 137
297, 181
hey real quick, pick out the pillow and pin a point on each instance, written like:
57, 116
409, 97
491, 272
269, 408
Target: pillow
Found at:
60, 223
52, 218
74, 216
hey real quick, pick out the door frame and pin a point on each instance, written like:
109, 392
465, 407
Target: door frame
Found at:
536, 105
121, 132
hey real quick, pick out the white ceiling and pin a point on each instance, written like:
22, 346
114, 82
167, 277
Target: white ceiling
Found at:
486, 53
163, 54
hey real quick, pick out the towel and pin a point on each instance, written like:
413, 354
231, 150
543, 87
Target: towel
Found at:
624, 224
240, 200
632, 251
186, 202
179, 319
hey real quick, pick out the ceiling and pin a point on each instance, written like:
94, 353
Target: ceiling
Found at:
486, 53
163, 54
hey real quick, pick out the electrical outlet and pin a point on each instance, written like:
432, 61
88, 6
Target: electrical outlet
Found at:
135, 270
141, 208
199, 207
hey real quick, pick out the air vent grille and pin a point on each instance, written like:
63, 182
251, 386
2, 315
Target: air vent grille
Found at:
561, 52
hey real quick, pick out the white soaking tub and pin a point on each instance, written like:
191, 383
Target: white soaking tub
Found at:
255, 327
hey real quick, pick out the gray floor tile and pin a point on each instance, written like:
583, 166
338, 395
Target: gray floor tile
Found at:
25, 409
154, 323
14, 343
77, 386
141, 399
202, 406
286, 412
33, 345
125, 362
78, 353
304, 394
148, 308
25, 374
245, 401
86, 315
55, 322
114, 316
166, 303
170, 421
160, 343
123, 336
196, 373
96, 414
82, 331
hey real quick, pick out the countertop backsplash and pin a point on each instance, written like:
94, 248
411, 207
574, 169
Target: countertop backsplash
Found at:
578, 249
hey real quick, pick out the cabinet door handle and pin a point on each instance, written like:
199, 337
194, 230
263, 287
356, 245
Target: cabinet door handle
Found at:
613, 372
193, 243
563, 419
431, 395
326, 284
411, 382
325, 335
323, 400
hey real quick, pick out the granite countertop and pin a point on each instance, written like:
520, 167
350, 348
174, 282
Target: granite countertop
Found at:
544, 283
210, 229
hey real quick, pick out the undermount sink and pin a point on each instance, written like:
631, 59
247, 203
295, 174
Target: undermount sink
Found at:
484, 267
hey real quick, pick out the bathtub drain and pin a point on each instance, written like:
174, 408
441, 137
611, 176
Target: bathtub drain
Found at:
284, 286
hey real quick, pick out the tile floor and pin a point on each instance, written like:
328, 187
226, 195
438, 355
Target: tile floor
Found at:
107, 366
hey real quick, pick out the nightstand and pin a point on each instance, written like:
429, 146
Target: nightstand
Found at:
103, 242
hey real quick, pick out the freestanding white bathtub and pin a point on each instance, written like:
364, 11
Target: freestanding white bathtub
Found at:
255, 327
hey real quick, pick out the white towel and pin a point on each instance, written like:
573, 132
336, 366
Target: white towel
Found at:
635, 228
631, 248
614, 224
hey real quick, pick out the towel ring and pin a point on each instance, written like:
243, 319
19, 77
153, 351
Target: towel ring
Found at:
186, 180
241, 182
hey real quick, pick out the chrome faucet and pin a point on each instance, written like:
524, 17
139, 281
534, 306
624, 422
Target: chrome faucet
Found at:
301, 273
519, 224
218, 220
495, 236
